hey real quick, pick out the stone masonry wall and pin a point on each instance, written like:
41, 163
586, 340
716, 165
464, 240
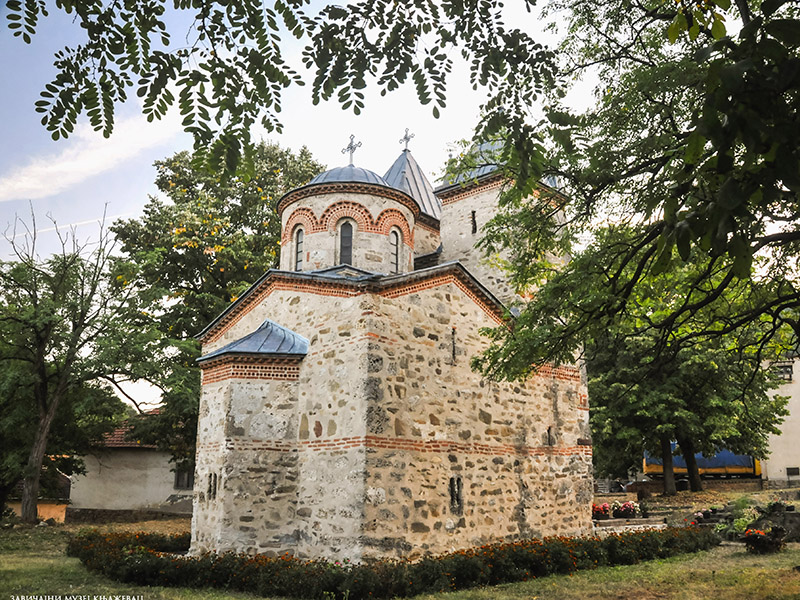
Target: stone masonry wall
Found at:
374, 218
316, 451
357, 458
458, 239
521, 452
426, 240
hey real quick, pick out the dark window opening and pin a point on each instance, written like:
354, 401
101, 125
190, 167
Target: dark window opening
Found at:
212, 486
456, 495
783, 370
394, 244
474, 223
792, 471
184, 479
346, 244
298, 250
551, 438
453, 338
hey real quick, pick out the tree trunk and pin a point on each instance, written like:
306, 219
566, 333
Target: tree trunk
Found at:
666, 461
687, 449
33, 469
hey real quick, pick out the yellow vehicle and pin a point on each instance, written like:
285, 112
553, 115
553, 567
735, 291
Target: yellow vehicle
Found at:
723, 464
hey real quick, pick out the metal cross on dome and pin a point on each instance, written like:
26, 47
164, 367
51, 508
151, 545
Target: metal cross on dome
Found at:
406, 138
351, 147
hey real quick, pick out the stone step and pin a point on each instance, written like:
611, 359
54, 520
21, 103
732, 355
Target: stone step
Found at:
621, 522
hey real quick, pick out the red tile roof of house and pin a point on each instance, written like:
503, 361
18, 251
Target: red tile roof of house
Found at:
118, 437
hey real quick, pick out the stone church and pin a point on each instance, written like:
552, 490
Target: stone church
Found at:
339, 416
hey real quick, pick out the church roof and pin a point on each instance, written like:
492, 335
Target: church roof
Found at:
269, 339
346, 272
349, 174
348, 281
406, 175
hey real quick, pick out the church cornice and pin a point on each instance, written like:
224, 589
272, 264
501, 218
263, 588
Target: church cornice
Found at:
455, 191
390, 286
458, 191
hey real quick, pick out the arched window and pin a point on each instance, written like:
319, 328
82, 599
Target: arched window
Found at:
346, 243
394, 251
298, 250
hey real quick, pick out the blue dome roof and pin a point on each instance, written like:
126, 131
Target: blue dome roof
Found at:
349, 174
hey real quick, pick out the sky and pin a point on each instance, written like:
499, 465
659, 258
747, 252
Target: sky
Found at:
73, 183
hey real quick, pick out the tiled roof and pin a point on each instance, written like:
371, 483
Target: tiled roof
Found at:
371, 281
117, 439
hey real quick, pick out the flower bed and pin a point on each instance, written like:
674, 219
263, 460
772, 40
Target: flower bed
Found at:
764, 542
624, 510
601, 511
146, 560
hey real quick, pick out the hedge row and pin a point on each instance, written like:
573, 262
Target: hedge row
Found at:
148, 559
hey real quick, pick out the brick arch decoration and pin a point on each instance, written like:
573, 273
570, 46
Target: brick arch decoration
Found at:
304, 217
344, 209
390, 217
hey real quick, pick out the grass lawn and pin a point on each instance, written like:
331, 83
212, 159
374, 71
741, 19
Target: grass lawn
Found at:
32, 562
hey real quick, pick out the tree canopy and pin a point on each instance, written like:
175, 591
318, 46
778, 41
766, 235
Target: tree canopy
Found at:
190, 256
70, 329
229, 69
694, 132
682, 153
713, 395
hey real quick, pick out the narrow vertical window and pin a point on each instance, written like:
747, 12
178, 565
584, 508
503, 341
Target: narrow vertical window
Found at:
346, 244
474, 223
456, 495
394, 245
298, 250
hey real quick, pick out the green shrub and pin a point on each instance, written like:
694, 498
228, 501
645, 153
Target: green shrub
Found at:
764, 542
147, 559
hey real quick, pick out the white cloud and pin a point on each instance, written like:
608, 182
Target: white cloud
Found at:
87, 154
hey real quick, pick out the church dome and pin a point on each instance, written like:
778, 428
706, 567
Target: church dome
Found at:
349, 174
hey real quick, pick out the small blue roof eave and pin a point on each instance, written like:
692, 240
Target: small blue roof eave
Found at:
270, 339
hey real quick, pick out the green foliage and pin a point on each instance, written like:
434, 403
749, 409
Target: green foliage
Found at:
230, 70
136, 558
678, 165
66, 330
190, 257
764, 542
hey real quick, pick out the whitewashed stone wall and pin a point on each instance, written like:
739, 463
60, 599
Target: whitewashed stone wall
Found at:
784, 452
128, 479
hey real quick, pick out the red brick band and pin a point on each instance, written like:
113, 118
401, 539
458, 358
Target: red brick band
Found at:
236, 367
561, 372
411, 445
353, 188
388, 218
